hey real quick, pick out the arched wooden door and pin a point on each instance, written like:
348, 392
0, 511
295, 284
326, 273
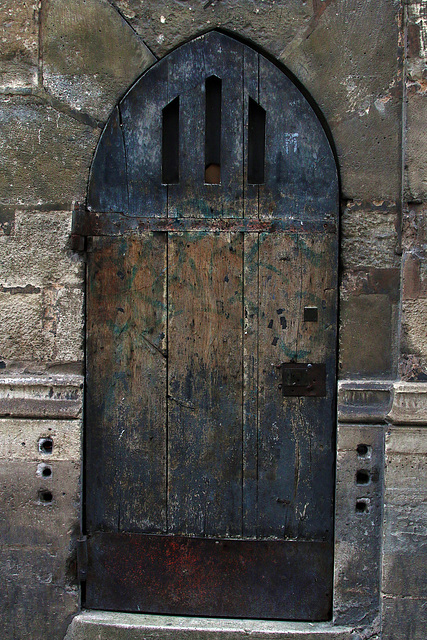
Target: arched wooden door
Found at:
211, 343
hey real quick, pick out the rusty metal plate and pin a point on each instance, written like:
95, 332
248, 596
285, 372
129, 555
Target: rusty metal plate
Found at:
210, 577
303, 379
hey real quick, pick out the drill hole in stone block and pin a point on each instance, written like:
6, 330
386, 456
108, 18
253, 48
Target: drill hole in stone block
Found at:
46, 445
363, 476
363, 450
44, 470
45, 496
362, 505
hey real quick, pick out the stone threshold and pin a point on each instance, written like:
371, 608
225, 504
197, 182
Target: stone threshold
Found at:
110, 625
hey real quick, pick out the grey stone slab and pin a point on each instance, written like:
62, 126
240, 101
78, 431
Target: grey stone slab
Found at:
19, 40
367, 401
45, 154
358, 517
366, 336
21, 440
164, 24
39, 511
88, 67
404, 618
368, 236
100, 625
349, 63
414, 337
37, 251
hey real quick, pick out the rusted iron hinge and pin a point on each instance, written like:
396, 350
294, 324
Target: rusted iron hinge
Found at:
82, 559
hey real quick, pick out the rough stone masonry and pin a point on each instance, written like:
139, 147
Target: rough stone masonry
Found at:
64, 64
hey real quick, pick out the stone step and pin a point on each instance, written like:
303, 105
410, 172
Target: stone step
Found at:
107, 625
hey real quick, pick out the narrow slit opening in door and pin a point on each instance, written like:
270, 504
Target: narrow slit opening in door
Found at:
213, 131
256, 143
170, 143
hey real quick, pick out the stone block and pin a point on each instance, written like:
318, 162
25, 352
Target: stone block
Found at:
404, 618
358, 516
109, 625
366, 336
19, 43
42, 324
164, 24
45, 154
37, 252
414, 333
366, 402
90, 54
23, 440
405, 516
409, 404
368, 236
54, 396
38, 510
349, 62
416, 145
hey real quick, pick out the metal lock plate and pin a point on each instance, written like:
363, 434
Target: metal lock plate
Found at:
303, 379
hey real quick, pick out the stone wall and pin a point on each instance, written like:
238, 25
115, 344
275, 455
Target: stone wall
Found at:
63, 66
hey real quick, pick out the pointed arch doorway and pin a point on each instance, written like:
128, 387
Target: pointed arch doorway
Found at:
212, 220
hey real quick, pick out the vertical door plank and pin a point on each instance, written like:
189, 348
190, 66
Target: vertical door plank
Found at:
141, 113
301, 176
188, 69
205, 384
108, 189
279, 283
315, 434
251, 90
250, 396
126, 384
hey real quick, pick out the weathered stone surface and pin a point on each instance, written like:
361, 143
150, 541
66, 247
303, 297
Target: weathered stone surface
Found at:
42, 324
21, 440
358, 515
104, 625
164, 24
90, 54
404, 618
369, 236
416, 144
367, 402
38, 528
37, 251
366, 336
405, 517
409, 403
414, 334
54, 396
44, 154
349, 63
19, 41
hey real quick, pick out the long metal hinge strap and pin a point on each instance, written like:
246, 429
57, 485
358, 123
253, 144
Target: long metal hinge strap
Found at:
82, 559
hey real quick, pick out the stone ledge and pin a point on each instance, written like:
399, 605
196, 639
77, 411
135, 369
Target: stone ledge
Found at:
53, 396
375, 401
105, 625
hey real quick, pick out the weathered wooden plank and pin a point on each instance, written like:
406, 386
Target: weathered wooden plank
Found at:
251, 90
205, 384
126, 384
141, 112
250, 396
188, 69
300, 171
296, 433
108, 177
210, 577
